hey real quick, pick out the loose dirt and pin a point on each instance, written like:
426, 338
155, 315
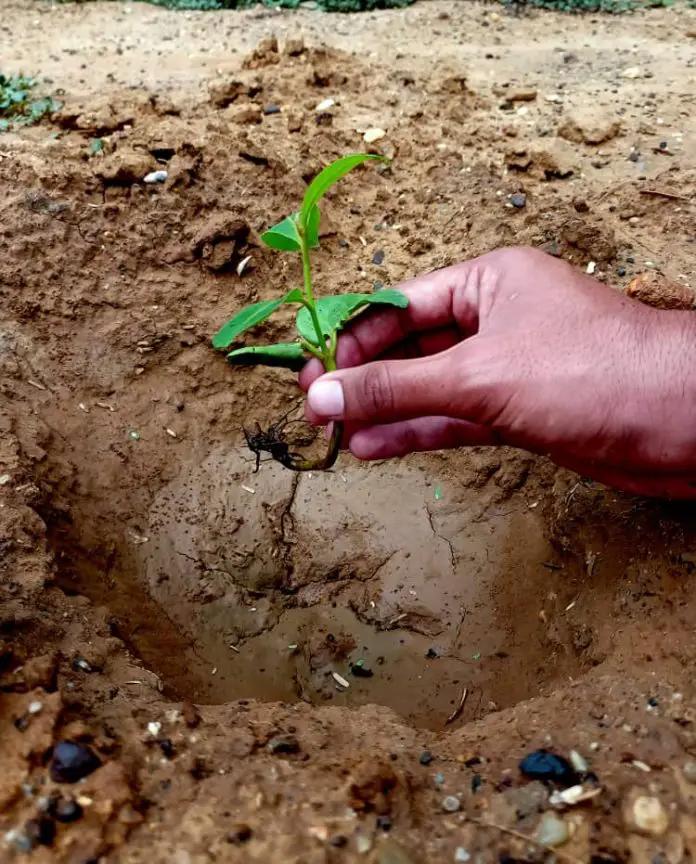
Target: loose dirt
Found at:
147, 569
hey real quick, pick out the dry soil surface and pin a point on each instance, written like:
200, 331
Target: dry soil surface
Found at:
184, 617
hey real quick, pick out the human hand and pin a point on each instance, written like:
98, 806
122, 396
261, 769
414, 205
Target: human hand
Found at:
518, 348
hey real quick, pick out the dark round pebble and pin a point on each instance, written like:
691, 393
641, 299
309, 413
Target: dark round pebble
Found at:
359, 671
284, 744
65, 810
426, 757
72, 762
518, 200
621, 271
166, 747
378, 257
339, 841
544, 765
652, 702
239, 834
41, 831
476, 783
384, 823
630, 260
663, 145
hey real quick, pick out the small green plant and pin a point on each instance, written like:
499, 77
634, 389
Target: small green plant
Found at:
318, 320
17, 107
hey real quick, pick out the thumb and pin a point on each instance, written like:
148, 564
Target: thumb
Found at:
386, 391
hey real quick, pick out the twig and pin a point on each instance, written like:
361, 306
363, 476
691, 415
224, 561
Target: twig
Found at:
565, 856
458, 710
660, 194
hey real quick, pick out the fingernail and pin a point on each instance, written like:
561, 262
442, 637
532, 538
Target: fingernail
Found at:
326, 398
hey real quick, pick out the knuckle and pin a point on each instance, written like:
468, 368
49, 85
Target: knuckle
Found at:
377, 392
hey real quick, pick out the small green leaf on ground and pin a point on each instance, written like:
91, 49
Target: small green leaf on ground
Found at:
438, 493
477, 655
250, 316
333, 311
17, 107
288, 355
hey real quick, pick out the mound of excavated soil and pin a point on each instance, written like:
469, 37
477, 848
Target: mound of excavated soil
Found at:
146, 569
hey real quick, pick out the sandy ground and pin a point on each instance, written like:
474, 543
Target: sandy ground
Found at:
183, 616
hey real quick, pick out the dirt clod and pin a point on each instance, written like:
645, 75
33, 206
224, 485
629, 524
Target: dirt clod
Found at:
654, 289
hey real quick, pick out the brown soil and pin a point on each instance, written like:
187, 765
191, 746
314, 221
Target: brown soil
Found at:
136, 536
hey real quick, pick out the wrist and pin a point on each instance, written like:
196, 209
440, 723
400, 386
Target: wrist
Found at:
666, 413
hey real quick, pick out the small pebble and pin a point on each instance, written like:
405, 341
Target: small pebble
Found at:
426, 757
450, 804
649, 816
156, 177
71, 762
552, 830
239, 834
325, 105
578, 762
378, 257
271, 109
66, 810
79, 664
621, 271
283, 744
166, 747
363, 842
461, 855
19, 840
339, 841
518, 200
689, 770
41, 831
543, 765
373, 135
35, 707
439, 779
384, 823
476, 783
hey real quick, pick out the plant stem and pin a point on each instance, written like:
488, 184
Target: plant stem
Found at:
327, 354
307, 275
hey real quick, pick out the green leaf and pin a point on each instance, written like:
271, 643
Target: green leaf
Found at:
335, 310
313, 227
325, 180
250, 316
284, 236
289, 355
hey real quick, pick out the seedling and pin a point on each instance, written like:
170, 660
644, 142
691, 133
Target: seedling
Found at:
17, 107
318, 320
